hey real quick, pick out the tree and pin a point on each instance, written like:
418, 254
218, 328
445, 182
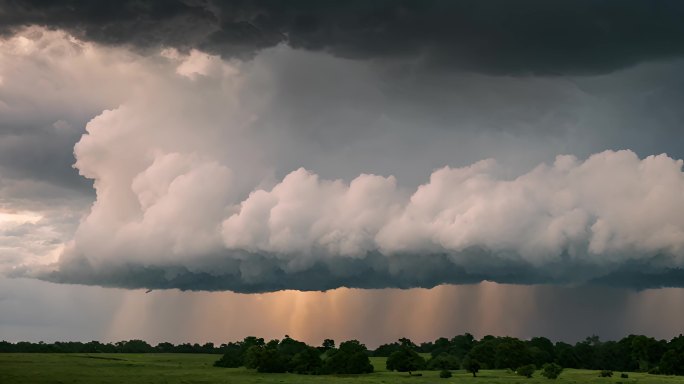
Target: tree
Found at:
270, 360
545, 346
404, 342
565, 355
440, 346
485, 352
511, 353
328, 344
672, 363
443, 361
461, 345
252, 356
551, 370
235, 354
289, 347
134, 346
351, 357
526, 370
541, 351
385, 350
307, 361
405, 360
585, 352
471, 365
232, 358
161, 347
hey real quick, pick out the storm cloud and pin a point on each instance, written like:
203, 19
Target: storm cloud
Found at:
570, 222
495, 37
302, 169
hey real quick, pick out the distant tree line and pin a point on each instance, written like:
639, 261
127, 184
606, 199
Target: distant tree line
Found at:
130, 346
632, 353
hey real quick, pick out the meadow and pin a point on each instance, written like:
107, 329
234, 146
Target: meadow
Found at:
35, 368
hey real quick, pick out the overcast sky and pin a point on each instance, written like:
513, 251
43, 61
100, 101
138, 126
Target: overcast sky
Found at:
259, 149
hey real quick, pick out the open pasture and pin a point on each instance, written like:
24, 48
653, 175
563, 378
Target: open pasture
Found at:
25, 368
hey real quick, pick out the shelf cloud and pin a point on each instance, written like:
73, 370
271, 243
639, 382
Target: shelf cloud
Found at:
612, 218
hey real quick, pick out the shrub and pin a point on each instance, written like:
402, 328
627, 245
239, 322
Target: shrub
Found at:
445, 374
624, 376
526, 370
551, 370
606, 373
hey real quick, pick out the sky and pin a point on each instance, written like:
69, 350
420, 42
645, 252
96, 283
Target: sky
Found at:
325, 169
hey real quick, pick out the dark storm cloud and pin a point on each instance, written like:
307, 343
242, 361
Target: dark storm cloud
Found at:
185, 127
499, 37
373, 272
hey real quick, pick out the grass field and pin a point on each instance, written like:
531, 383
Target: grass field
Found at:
18, 368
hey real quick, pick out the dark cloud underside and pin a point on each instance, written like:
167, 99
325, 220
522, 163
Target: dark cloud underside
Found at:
373, 272
497, 37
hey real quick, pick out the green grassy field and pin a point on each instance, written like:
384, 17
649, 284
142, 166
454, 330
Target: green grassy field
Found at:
178, 368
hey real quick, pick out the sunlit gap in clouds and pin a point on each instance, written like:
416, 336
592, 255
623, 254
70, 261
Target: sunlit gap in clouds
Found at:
15, 218
379, 316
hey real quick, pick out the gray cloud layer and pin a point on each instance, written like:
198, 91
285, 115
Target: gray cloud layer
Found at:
499, 37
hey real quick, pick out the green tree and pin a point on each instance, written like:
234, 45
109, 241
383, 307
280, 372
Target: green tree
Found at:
485, 353
270, 360
541, 351
440, 346
565, 355
405, 360
551, 370
526, 370
252, 356
471, 365
307, 361
385, 350
232, 358
351, 357
134, 346
443, 361
289, 347
328, 344
461, 345
672, 363
511, 353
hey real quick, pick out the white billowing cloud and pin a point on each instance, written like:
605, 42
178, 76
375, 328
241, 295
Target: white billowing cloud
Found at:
178, 210
309, 217
52, 84
611, 206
